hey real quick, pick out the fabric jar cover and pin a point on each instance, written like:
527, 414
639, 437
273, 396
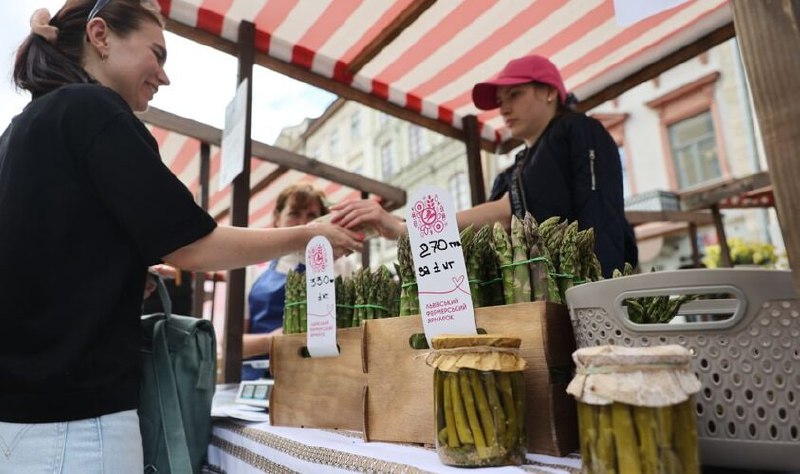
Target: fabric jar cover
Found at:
641, 376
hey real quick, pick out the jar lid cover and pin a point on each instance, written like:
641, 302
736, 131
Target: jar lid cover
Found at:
642, 376
487, 352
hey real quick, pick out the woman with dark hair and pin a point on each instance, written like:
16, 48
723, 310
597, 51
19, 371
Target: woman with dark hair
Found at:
297, 204
86, 204
570, 166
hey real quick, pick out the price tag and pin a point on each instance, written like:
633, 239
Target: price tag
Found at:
444, 297
320, 299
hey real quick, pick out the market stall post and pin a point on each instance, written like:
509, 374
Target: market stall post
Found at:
767, 34
240, 212
199, 296
472, 138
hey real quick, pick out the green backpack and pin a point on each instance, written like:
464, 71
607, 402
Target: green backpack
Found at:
178, 363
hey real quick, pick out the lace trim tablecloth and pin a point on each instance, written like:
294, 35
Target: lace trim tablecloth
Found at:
243, 448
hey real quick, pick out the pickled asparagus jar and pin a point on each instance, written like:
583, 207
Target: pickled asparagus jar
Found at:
635, 409
479, 392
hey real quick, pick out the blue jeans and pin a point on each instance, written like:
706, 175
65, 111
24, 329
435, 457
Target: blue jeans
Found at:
110, 444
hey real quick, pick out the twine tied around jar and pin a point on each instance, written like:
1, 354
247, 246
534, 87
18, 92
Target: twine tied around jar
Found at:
641, 376
480, 352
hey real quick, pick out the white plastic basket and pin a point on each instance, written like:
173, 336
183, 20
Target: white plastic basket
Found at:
749, 364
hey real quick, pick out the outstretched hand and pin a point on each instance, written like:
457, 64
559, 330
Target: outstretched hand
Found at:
342, 240
360, 213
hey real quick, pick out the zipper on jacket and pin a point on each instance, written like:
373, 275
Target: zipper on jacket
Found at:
591, 168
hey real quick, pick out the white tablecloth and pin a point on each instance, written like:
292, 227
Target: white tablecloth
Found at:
239, 447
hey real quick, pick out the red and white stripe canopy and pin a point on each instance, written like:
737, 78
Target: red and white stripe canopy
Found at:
428, 65
182, 155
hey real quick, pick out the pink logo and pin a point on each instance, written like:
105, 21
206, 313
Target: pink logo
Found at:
317, 258
428, 215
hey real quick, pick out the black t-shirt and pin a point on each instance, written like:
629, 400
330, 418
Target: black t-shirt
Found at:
85, 206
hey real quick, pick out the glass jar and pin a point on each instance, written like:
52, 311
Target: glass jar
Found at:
479, 400
635, 409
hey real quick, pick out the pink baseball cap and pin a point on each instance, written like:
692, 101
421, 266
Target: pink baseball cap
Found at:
519, 71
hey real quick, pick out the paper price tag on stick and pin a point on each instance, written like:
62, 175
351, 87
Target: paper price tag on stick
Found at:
320, 299
445, 301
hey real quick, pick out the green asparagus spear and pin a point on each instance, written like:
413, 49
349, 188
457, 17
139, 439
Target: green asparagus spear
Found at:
606, 447
647, 428
484, 412
522, 277
496, 406
685, 437
449, 416
459, 412
472, 414
625, 436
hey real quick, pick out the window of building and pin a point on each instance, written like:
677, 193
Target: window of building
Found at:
694, 150
417, 142
689, 120
355, 126
387, 160
459, 189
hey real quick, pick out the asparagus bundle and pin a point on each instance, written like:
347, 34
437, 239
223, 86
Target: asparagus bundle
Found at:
474, 252
652, 309
409, 296
568, 265
590, 269
502, 249
344, 311
294, 312
552, 230
491, 282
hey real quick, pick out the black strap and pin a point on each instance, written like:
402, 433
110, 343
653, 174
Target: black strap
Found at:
516, 187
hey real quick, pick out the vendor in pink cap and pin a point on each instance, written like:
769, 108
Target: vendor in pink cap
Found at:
570, 166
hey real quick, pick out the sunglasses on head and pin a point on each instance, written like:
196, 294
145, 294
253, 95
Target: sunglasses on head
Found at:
97, 7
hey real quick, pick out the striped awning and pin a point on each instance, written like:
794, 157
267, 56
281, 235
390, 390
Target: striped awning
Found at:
423, 56
182, 155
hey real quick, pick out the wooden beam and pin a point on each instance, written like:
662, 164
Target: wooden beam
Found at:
240, 214
392, 195
199, 291
724, 249
474, 164
643, 217
769, 41
711, 196
651, 71
405, 19
340, 89
356, 181
184, 126
696, 262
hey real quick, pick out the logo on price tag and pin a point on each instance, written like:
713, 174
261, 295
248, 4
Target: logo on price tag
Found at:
320, 299
444, 295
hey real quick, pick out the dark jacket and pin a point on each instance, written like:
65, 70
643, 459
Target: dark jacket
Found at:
574, 171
